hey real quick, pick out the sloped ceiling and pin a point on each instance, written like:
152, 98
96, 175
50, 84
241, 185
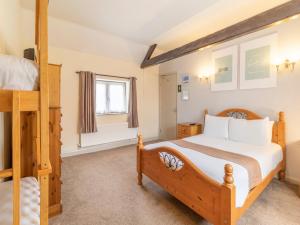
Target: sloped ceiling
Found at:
169, 23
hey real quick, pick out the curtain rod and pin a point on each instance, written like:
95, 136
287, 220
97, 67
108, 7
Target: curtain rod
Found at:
104, 75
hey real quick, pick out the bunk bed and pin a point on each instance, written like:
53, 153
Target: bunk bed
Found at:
29, 194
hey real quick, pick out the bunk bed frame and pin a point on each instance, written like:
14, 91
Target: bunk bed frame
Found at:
16, 101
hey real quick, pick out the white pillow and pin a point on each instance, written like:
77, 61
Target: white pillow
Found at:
254, 132
270, 131
216, 126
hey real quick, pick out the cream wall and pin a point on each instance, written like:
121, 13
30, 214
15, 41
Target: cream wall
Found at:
10, 25
73, 61
267, 102
71, 45
10, 43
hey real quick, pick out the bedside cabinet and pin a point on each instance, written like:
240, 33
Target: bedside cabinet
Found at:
188, 129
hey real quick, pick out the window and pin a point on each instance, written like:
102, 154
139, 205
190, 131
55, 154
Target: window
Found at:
111, 97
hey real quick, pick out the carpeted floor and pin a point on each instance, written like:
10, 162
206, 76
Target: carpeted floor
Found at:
100, 189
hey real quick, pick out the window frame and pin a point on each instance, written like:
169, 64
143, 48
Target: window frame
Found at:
107, 83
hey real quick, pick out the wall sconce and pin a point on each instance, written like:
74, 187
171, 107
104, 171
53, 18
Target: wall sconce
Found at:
287, 64
204, 77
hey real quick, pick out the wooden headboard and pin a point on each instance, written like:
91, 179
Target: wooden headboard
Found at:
278, 135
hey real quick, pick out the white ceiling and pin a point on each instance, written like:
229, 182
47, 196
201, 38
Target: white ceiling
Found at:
137, 20
169, 23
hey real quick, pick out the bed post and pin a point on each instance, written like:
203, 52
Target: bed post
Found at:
16, 146
228, 198
205, 113
139, 149
281, 142
44, 109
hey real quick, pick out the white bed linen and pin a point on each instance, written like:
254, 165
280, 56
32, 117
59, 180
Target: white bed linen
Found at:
268, 157
30, 202
18, 73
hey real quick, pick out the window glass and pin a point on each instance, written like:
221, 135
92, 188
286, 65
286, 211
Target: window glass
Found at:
117, 97
111, 97
100, 97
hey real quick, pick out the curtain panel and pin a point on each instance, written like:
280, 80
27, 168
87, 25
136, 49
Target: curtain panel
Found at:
87, 102
133, 121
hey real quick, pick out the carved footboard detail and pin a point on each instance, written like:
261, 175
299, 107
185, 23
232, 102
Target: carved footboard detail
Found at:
170, 161
182, 179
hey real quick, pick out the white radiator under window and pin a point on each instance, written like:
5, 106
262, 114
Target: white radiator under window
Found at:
108, 133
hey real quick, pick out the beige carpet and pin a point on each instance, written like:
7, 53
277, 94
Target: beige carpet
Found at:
100, 189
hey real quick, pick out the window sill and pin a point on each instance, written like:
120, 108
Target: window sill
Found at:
111, 114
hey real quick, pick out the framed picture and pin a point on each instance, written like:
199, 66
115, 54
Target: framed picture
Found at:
256, 69
225, 67
185, 79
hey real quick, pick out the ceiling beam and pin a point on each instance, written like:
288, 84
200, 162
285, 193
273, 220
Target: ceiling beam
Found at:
149, 53
247, 26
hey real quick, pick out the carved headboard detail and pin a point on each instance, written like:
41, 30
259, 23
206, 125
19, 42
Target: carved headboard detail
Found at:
239, 114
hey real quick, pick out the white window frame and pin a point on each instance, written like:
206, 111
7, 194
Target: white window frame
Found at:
107, 83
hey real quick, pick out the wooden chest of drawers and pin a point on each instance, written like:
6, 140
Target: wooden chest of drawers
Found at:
188, 129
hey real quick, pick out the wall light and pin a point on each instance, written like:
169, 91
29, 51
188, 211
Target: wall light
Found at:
205, 74
204, 77
287, 64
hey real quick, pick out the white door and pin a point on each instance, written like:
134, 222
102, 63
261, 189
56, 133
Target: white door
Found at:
168, 106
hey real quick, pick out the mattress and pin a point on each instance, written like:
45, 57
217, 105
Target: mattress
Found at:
30, 202
268, 157
18, 73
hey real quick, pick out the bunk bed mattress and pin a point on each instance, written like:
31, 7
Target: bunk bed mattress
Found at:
30, 202
18, 73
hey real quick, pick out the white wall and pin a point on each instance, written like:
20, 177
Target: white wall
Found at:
10, 43
10, 27
72, 46
267, 102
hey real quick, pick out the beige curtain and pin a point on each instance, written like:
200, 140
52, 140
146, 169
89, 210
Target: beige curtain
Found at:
133, 121
87, 102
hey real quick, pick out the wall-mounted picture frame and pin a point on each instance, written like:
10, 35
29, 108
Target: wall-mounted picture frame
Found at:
256, 69
225, 62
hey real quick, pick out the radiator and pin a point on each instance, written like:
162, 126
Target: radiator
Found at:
108, 133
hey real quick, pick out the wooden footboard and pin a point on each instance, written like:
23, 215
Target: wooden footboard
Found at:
181, 178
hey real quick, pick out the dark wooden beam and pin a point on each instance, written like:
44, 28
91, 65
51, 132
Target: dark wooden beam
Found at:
247, 26
149, 53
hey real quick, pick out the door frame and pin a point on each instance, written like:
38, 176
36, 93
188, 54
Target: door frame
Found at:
160, 94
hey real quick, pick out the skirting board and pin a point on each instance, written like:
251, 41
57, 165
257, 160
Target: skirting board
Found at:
103, 147
292, 180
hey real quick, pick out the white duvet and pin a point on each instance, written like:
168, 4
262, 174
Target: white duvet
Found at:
18, 73
268, 156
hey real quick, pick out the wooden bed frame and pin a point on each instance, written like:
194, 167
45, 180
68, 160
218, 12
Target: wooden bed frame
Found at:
16, 101
213, 201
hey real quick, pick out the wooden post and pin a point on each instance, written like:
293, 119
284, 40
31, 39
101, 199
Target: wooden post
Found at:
36, 142
37, 25
228, 198
139, 149
44, 104
205, 113
282, 143
16, 148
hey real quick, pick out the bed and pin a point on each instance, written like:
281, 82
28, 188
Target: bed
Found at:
30, 202
217, 188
